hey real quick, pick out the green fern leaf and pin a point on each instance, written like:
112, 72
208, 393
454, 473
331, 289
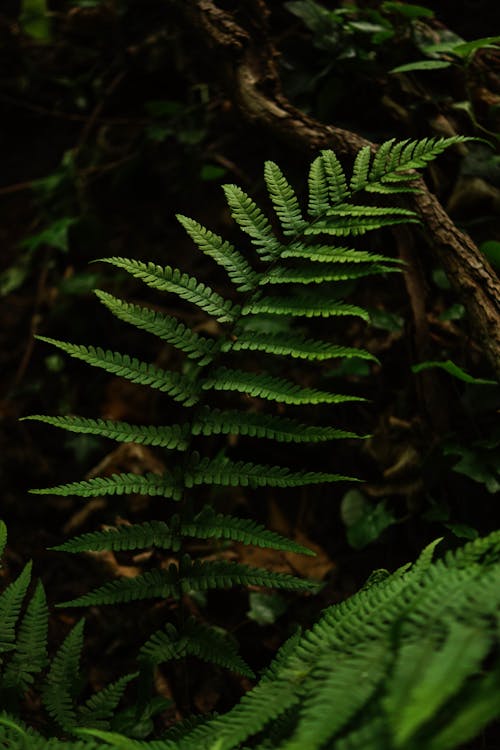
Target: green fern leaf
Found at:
360, 170
318, 188
186, 287
210, 525
282, 429
344, 226
335, 177
138, 536
269, 387
30, 655
237, 268
100, 707
284, 200
11, 601
171, 436
425, 677
177, 386
63, 679
164, 485
242, 474
303, 305
154, 584
220, 574
317, 274
253, 222
346, 687
472, 718
330, 254
294, 346
196, 639
163, 326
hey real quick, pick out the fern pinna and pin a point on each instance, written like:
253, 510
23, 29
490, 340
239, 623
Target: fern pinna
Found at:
272, 289
25, 664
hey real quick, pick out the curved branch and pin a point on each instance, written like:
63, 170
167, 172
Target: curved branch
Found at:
251, 80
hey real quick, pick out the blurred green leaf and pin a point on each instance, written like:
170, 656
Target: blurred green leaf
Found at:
407, 10
491, 248
452, 369
387, 321
462, 530
440, 279
212, 172
34, 19
265, 608
478, 463
14, 276
454, 312
55, 235
421, 65
468, 48
364, 522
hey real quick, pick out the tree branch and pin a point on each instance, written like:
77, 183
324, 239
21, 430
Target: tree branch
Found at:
247, 58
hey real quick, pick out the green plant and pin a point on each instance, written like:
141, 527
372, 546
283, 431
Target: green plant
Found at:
410, 661
256, 321
25, 663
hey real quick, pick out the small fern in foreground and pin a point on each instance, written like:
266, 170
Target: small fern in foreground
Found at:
409, 662
25, 665
306, 276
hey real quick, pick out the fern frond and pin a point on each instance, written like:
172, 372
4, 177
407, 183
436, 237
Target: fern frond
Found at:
271, 388
30, 655
165, 436
196, 639
360, 169
210, 525
138, 536
238, 269
154, 584
164, 485
99, 710
318, 188
294, 346
163, 326
344, 226
220, 574
335, 177
63, 678
282, 429
177, 386
11, 601
425, 677
319, 273
244, 474
284, 200
348, 219
345, 686
253, 222
186, 287
394, 157
326, 253
303, 305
